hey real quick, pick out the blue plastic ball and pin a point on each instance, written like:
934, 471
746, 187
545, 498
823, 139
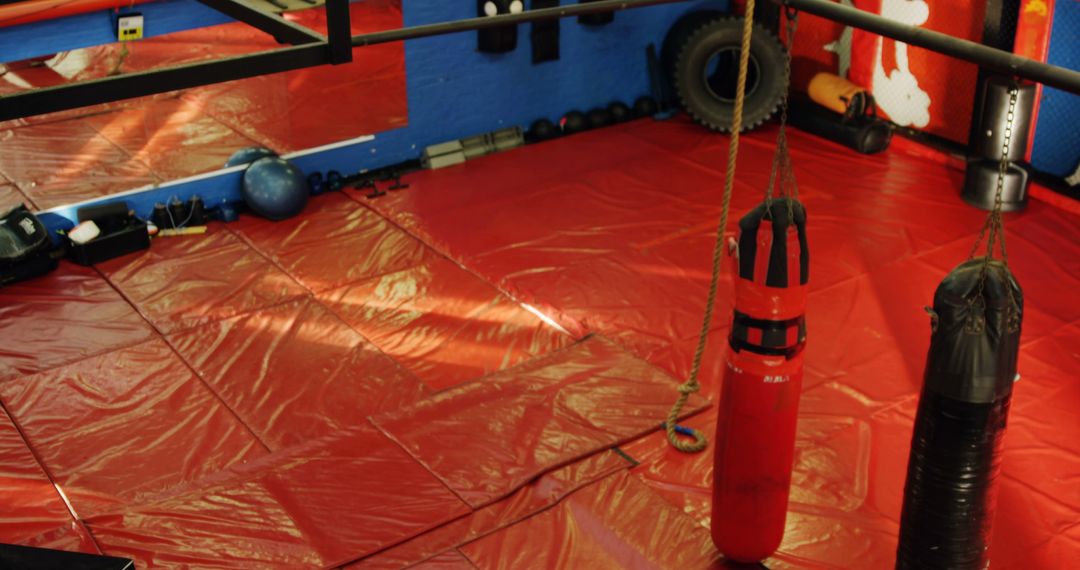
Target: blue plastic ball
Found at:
274, 188
248, 155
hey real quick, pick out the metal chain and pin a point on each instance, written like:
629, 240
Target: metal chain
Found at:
783, 173
994, 230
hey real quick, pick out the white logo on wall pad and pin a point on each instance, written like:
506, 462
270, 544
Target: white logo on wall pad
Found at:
898, 92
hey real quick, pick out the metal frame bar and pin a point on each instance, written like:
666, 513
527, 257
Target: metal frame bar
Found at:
988, 57
338, 24
269, 22
92, 92
337, 49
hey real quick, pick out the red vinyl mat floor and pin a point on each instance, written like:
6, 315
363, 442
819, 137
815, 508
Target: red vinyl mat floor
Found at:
470, 373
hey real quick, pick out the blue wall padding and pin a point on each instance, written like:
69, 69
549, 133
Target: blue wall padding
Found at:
454, 91
96, 28
1057, 135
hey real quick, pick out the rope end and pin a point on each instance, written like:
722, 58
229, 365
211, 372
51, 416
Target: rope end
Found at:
699, 444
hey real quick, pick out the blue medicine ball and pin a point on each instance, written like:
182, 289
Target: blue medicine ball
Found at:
248, 155
274, 188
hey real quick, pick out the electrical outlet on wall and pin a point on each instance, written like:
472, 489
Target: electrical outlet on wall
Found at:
129, 27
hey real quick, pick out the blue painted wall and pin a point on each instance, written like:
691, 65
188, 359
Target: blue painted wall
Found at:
455, 91
1057, 135
96, 28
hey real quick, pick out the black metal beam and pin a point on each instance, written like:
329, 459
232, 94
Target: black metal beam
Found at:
998, 60
92, 92
470, 24
95, 91
339, 26
273, 24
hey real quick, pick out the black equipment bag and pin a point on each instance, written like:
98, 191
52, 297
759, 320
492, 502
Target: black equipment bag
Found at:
25, 247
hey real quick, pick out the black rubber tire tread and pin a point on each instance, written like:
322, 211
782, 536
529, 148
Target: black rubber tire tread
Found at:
705, 108
676, 38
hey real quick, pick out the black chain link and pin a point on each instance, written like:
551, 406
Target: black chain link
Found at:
993, 230
783, 172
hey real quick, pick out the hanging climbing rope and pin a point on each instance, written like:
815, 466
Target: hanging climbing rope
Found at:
692, 386
782, 174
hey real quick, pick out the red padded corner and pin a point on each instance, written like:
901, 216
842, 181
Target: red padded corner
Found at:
489, 437
119, 427
320, 505
295, 371
184, 282
443, 323
335, 242
63, 316
614, 523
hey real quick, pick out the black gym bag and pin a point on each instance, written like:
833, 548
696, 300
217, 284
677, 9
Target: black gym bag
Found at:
25, 248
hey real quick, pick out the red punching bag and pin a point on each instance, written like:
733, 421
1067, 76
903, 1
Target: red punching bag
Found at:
759, 403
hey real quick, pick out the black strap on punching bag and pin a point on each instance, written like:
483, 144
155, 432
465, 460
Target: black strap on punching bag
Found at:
956, 446
779, 214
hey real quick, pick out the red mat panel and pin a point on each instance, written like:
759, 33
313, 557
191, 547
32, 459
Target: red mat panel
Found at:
66, 315
184, 282
59, 163
487, 438
116, 428
335, 242
615, 523
294, 372
443, 323
450, 560
10, 196
884, 230
319, 505
173, 138
534, 497
34, 512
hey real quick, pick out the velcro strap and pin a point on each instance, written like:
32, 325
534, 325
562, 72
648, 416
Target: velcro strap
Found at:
773, 338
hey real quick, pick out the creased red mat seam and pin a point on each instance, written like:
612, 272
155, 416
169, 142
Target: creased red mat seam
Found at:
195, 373
49, 475
425, 239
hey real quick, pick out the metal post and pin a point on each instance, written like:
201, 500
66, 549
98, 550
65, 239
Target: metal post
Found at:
339, 28
472, 24
273, 24
999, 60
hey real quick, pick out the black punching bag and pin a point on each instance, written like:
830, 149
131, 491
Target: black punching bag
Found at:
955, 457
